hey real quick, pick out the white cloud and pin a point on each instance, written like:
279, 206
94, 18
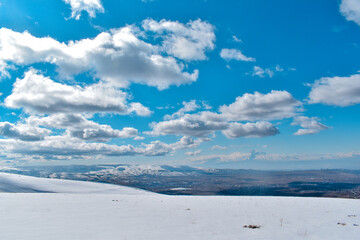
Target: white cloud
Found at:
262, 156
266, 72
337, 91
90, 6
260, 72
197, 125
104, 133
158, 148
185, 41
235, 54
78, 126
204, 124
235, 156
309, 125
66, 147
236, 39
117, 56
138, 138
54, 147
215, 147
249, 107
258, 129
252, 107
194, 153
189, 106
23, 132
38, 94
350, 9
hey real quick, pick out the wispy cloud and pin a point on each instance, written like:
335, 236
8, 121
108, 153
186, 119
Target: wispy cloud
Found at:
90, 6
188, 41
235, 54
262, 156
309, 125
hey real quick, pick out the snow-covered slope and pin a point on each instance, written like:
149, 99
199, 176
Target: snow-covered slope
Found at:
53, 216
19, 183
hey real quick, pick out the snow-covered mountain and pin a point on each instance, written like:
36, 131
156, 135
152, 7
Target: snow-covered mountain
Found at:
127, 213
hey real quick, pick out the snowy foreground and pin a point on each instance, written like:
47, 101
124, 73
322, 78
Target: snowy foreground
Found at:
126, 213
18, 183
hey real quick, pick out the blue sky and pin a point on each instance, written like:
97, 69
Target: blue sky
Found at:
246, 84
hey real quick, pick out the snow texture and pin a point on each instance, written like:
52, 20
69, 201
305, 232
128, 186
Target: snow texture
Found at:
18, 183
52, 216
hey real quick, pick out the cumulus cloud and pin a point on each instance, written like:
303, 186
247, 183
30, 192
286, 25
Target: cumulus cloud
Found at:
23, 132
119, 57
197, 125
258, 129
158, 148
235, 54
350, 9
188, 41
272, 106
80, 127
138, 138
68, 147
90, 6
54, 146
38, 94
189, 106
249, 107
309, 125
104, 133
336, 91
205, 123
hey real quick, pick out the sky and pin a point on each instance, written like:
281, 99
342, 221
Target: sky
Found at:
227, 84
